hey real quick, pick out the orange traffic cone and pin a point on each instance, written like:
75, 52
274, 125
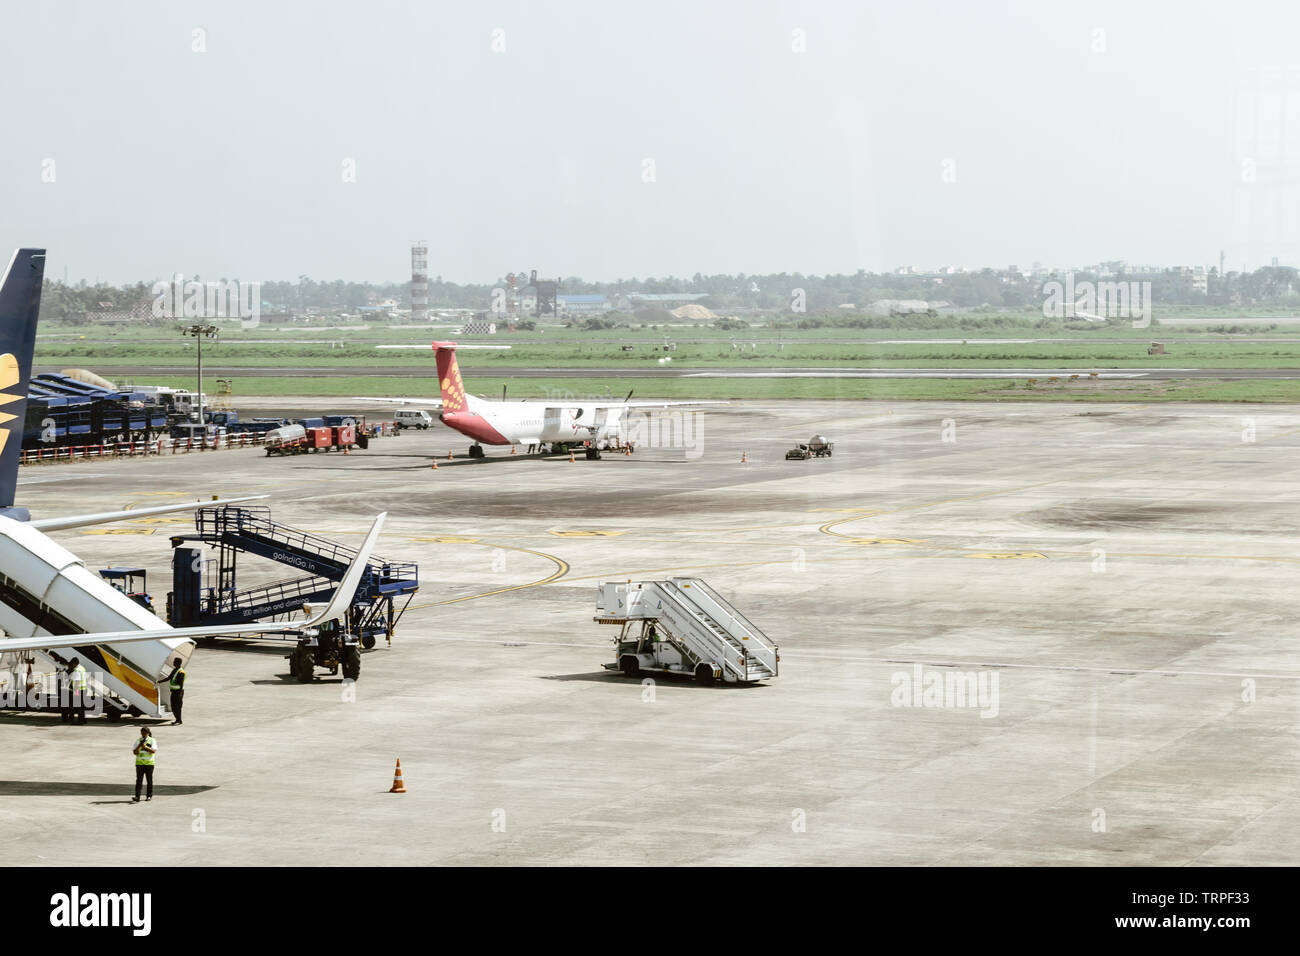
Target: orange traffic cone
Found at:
398, 786
627, 451
512, 449
449, 456
571, 458
345, 449
435, 464
744, 458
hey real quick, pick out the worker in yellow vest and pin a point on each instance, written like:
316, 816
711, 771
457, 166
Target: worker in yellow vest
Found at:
145, 750
176, 684
73, 703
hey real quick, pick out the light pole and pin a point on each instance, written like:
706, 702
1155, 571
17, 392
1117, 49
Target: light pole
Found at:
200, 332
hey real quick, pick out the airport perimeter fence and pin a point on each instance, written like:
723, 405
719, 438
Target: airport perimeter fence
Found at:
158, 446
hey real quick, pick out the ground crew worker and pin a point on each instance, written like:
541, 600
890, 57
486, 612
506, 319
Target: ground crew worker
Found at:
65, 694
74, 685
145, 750
176, 684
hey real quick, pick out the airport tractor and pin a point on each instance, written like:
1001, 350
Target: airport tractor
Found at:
815, 447
683, 626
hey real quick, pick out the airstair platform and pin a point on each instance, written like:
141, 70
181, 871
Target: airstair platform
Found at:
685, 627
323, 562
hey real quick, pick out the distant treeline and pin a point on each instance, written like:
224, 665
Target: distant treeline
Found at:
1271, 286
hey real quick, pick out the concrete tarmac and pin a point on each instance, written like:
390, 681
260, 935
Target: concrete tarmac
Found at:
1011, 634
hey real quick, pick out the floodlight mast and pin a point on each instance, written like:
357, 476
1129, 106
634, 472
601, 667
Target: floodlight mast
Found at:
200, 332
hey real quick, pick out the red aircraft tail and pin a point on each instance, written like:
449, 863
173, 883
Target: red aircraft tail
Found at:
453, 389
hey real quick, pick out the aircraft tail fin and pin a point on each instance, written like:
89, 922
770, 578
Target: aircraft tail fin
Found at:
449, 380
20, 305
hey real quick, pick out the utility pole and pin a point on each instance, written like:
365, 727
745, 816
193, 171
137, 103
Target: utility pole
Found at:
200, 332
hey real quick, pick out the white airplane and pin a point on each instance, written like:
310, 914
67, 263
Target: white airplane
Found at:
49, 600
593, 425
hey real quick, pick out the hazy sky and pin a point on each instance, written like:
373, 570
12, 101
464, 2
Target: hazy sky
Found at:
940, 133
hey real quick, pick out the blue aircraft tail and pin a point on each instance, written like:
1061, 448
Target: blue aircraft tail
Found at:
20, 303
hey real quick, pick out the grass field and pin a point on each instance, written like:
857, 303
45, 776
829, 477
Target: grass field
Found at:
356, 366
261, 352
568, 389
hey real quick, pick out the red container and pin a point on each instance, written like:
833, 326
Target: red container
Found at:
345, 436
320, 437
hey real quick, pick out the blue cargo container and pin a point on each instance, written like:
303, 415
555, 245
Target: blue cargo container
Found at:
64, 411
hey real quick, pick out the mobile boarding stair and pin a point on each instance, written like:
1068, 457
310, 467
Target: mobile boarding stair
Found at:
683, 626
386, 588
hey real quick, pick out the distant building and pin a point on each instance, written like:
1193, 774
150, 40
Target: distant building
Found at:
905, 307
581, 304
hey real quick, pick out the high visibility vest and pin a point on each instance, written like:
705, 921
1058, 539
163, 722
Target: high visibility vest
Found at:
144, 758
78, 680
177, 680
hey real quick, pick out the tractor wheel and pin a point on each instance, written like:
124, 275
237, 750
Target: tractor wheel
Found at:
704, 675
304, 661
630, 666
112, 713
352, 663
368, 641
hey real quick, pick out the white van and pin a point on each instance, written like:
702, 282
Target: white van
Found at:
412, 418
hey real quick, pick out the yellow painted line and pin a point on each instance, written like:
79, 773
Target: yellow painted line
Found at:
870, 541
1277, 558
1004, 554
826, 528
448, 539
757, 527
586, 534
561, 569
118, 531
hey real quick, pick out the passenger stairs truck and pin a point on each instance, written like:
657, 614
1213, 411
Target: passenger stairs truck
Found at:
683, 626
385, 590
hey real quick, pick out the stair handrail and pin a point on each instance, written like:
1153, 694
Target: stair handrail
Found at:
680, 606
769, 647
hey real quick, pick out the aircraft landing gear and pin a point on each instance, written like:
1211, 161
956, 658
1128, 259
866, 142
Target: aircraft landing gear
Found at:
593, 454
476, 451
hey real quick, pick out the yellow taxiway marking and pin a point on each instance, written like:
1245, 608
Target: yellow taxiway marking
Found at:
586, 534
561, 569
868, 541
1004, 554
118, 531
448, 539
826, 528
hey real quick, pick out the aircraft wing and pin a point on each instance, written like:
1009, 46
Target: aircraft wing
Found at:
426, 348
655, 404
398, 401
104, 517
338, 606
